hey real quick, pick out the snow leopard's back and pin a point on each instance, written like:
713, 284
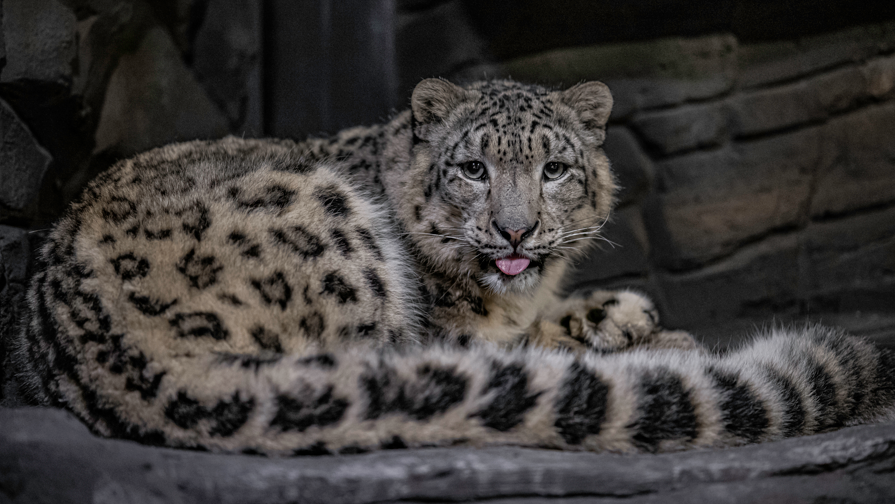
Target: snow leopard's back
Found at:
221, 249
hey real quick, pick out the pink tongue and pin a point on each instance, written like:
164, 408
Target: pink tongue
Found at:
513, 264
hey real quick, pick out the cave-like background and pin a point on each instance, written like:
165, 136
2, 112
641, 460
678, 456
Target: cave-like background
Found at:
754, 139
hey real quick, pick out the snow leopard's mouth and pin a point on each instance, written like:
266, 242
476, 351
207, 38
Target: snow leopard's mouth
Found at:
515, 266
512, 264
512, 273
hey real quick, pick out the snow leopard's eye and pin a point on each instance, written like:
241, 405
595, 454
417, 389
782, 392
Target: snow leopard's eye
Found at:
474, 170
555, 170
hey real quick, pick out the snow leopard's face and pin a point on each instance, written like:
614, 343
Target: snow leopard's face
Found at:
514, 177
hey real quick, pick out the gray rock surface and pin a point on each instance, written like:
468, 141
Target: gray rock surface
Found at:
227, 60
153, 99
761, 278
858, 154
624, 256
776, 108
50, 457
780, 60
14, 258
633, 168
710, 202
444, 30
684, 128
642, 75
851, 261
2, 38
23, 162
40, 41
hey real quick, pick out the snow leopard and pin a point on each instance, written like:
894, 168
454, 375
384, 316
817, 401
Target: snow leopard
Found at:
398, 286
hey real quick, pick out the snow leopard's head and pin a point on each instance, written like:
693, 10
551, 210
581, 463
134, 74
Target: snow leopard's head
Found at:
509, 178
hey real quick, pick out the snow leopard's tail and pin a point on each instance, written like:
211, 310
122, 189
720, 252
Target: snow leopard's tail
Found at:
788, 383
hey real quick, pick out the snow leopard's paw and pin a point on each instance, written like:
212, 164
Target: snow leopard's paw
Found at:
612, 321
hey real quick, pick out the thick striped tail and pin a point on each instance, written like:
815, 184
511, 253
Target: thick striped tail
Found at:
785, 384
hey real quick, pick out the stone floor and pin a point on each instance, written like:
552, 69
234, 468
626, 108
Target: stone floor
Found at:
48, 456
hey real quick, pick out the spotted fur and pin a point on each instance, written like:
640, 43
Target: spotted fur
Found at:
343, 294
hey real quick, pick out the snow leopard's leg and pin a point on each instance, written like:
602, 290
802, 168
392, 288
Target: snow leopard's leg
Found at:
607, 321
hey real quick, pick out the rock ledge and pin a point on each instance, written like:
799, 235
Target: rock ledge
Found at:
48, 456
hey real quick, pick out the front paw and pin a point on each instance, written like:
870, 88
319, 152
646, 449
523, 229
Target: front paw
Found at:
610, 321
613, 321
546, 334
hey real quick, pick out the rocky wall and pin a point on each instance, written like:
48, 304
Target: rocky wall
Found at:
87, 82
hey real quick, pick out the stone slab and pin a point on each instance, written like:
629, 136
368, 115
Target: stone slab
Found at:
775, 108
626, 256
849, 263
23, 161
40, 40
710, 202
684, 128
761, 279
642, 75
632, 167
881, 77
153, 99
227, 59
2, 40
860, 161
776, 61
15, 254
450, 43
50, 457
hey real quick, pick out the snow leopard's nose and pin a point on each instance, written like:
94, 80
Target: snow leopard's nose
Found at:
514, 236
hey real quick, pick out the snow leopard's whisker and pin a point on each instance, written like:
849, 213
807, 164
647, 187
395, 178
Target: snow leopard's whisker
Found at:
580, 233
592, 226
598, 238
584, 228
590, 229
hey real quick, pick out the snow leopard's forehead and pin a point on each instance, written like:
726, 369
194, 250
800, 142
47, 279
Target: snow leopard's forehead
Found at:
513, 102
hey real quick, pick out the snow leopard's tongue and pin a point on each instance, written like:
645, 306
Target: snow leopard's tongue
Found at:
512, 264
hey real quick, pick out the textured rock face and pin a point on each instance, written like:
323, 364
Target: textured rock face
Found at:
23, 162
14, 255
39, 38
50, 457
152, 99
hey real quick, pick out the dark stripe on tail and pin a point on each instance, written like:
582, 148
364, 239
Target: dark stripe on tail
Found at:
665, 411
823, 389
851, 366
581, 405
511, 399
794, 415
742, 412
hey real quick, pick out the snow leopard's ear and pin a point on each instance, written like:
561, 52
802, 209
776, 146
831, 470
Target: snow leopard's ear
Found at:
593, 103
434, 99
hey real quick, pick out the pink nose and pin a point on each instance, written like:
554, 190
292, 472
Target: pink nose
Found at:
514, 236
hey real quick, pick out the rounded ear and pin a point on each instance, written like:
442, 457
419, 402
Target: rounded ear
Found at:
592, 101
433, 100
